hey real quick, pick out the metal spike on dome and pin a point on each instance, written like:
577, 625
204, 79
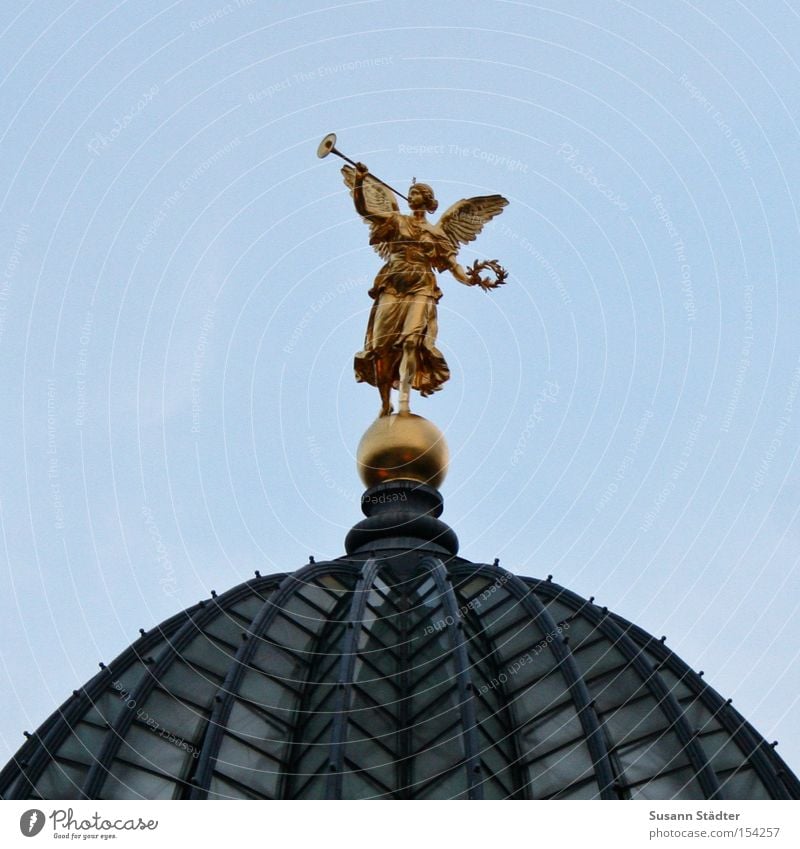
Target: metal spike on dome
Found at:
701, 673
549, 578
591, 599
27, 734
142, 632
496, 561
311, 558
213, 593
663, 639
729, 701
101, 665
258, 574
774, 743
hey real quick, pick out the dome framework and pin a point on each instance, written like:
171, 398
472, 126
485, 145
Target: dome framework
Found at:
398, 671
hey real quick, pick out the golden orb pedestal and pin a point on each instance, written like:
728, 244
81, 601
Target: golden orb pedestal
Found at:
403, 446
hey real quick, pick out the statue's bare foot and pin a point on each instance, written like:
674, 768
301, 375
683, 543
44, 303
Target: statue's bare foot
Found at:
387, 409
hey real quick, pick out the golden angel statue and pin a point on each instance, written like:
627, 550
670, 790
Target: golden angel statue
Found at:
400, 347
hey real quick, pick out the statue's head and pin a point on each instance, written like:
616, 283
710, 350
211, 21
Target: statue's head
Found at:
420, 196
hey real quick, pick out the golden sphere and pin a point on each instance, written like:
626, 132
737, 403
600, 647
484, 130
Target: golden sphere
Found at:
402, 447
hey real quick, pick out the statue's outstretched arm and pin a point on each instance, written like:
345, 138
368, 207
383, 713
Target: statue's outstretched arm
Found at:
457, 270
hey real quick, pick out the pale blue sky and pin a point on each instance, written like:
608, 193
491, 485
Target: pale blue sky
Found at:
183, 285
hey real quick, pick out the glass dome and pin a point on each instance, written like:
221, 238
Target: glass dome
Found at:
397, 671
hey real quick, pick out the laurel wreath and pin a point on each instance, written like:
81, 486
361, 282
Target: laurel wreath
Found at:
486, 283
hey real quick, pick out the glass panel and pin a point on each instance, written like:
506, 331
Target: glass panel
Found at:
472, 587
721, 751
382, 689
550, 732
174, 716
598, 659
357, 786
109, 705
225, 628
447, 751
493, 789
453, 785
579, 630
128, 782
208, 656
187, 683
248, 766
681, 784
281, 664
268, 694
249, 724
290, 634
699, 716
371, 757
332, 583
61, 781
743, 784
497, 612
221, 789
519, 644
380, 723
250, 606
298, 609
633, 721
143, 746
550, 774
583, 790
540, 696
317, 595
558, 609
615, 688
314, 762
677, 687
494, 758
82, 744
646, 759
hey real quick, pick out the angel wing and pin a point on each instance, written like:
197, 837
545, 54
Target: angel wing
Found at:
379, 201
465, 218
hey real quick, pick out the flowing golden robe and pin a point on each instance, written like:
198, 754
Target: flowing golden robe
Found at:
406, 294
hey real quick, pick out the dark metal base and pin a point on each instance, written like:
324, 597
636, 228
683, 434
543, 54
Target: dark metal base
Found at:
402, 514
